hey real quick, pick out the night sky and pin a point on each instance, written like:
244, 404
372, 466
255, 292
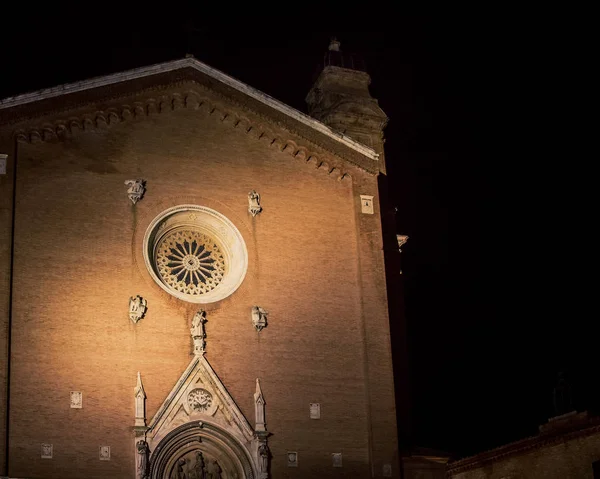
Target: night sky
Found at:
477, 158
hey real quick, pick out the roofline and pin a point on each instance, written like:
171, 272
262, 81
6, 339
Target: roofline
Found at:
522, 446
188, 62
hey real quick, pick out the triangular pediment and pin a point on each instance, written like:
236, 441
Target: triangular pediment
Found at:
22, 110
199, 395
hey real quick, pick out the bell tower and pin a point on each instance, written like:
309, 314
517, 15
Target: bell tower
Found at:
340, 98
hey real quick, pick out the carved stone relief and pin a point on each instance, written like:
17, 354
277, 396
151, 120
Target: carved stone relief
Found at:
259, 318
336, 458
196, 465
315, 410
366, 204
199, 400
135, 189
137, 308
105, 453
76, 399
254, 206
292, 459
47, 451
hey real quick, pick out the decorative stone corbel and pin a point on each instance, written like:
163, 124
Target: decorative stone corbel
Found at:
198, 333
254, 203
259, 318
136, 189
137, 308
140, 403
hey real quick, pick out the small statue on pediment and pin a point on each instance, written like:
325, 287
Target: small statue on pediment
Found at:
254, 203
136, 189
198, 333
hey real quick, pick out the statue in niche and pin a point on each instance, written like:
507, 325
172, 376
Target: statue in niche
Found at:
213, 470
263, 457
199, 470
136, 189
254, 203
178, 472
563, 399
198, 333
259, 317
137, 308
142, 459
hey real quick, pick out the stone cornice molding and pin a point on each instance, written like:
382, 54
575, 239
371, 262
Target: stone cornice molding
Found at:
137, 73
520, 447
198, 99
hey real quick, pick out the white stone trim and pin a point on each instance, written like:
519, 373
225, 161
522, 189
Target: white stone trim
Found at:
201, 67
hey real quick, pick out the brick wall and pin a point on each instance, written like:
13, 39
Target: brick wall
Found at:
315, 264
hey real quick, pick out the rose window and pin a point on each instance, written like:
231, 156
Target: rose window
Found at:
199, 400
190, 262
195, 254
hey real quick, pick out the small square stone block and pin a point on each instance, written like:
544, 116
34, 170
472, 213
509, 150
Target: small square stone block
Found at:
105, 453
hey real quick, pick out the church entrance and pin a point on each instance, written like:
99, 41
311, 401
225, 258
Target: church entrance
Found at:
198, 450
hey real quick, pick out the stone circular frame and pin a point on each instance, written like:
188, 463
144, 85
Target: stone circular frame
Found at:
209, 258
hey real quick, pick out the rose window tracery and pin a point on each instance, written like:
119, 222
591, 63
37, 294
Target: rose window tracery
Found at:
195, 254
199, 400
190, 262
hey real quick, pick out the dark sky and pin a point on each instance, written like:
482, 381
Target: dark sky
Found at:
476, 154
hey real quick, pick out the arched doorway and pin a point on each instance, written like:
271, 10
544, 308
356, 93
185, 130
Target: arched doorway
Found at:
199, 446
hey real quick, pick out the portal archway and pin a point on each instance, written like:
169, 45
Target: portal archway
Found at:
220, 452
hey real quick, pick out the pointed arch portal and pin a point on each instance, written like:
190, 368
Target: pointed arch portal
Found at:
177, 453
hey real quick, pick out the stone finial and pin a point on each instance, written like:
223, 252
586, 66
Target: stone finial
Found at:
334, 45
259, 318
259, 409
140, 402
254, 206
137, 308
198, 332
136, 189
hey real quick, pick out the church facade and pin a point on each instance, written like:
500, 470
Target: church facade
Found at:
193, 280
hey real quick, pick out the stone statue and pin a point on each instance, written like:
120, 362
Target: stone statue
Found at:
198, 333
563, 399
213, 470
178, 472
259, 317
137, 308
136, 189
254, 203
142, 459
199, 466
263, 457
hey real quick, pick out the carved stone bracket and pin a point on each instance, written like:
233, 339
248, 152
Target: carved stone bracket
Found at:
259, 318
137, 308
136, 189
254, 206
